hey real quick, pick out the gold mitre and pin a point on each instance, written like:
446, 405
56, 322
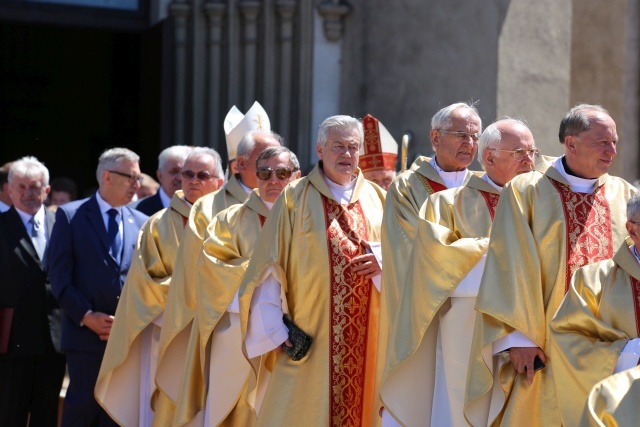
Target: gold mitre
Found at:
237, 124
380, 149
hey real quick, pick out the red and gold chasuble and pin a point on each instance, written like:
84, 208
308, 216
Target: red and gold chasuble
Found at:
353, 325
588, 219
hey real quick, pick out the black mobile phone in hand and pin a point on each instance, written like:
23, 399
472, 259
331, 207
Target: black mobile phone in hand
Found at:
537, 364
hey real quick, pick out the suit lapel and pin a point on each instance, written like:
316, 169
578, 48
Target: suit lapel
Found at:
50, 217
16, 228
95, 218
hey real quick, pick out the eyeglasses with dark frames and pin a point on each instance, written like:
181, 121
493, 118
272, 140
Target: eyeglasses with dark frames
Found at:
132, 178
264, 173
200, 176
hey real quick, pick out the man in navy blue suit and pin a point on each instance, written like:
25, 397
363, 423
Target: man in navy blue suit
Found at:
89, 256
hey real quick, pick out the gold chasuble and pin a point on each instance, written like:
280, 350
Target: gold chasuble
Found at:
405, 197
542, 233
181, 299
118, 388
614, 401
307, 244
216, 370
597, 318
452, 236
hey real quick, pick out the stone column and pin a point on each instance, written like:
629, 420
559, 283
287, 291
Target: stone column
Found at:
180, 10
215, 12
250, 10
286, 10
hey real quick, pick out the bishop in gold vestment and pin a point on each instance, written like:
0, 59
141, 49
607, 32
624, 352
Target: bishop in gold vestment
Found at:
595, 331
216, 373
430, 338
311, 245
123, 388
546, 227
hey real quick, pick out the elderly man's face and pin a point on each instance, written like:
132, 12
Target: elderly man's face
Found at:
501, 163
456, 145
271, 188
169, 176
383, 178
198, 177
590, 153
28, 193
340, 154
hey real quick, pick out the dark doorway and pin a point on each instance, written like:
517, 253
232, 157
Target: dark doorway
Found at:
67, 94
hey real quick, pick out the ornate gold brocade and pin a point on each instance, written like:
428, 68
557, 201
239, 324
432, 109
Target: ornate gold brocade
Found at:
350, 294
588, 228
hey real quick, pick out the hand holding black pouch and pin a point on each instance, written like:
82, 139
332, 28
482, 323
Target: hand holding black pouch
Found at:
299, 339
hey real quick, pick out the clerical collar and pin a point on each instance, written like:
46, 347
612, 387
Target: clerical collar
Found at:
450, 179
489, 181
578, 185
269, 205
342, 193
244, 187
186, 201
633, 250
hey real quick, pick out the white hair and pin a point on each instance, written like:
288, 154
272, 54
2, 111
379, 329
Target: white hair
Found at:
633, 208
492, 136
199, 151
29, 167
442, 119
248, 142
174, 152
339, 122
112, 158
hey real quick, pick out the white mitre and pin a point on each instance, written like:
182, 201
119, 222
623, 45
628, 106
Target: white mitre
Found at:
236, 125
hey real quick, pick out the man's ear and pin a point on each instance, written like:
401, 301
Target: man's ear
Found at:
570, 143
319, 148
241, 163
435, 137
631, 230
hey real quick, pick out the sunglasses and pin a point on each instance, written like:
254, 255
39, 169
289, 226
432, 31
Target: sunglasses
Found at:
264, 174
201, 176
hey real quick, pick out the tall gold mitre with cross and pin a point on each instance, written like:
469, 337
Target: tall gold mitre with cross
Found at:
380, 149
237, 124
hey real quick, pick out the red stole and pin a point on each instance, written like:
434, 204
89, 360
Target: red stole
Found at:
431, 185
492, 200
588, 223
353, 336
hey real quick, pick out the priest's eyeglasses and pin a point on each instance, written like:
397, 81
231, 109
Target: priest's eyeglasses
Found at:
520, 154
264, 173
132, 178
462, 136
200, 176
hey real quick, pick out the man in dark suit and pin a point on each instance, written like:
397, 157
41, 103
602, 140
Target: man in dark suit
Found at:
89, 257
170, 162
31, 365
